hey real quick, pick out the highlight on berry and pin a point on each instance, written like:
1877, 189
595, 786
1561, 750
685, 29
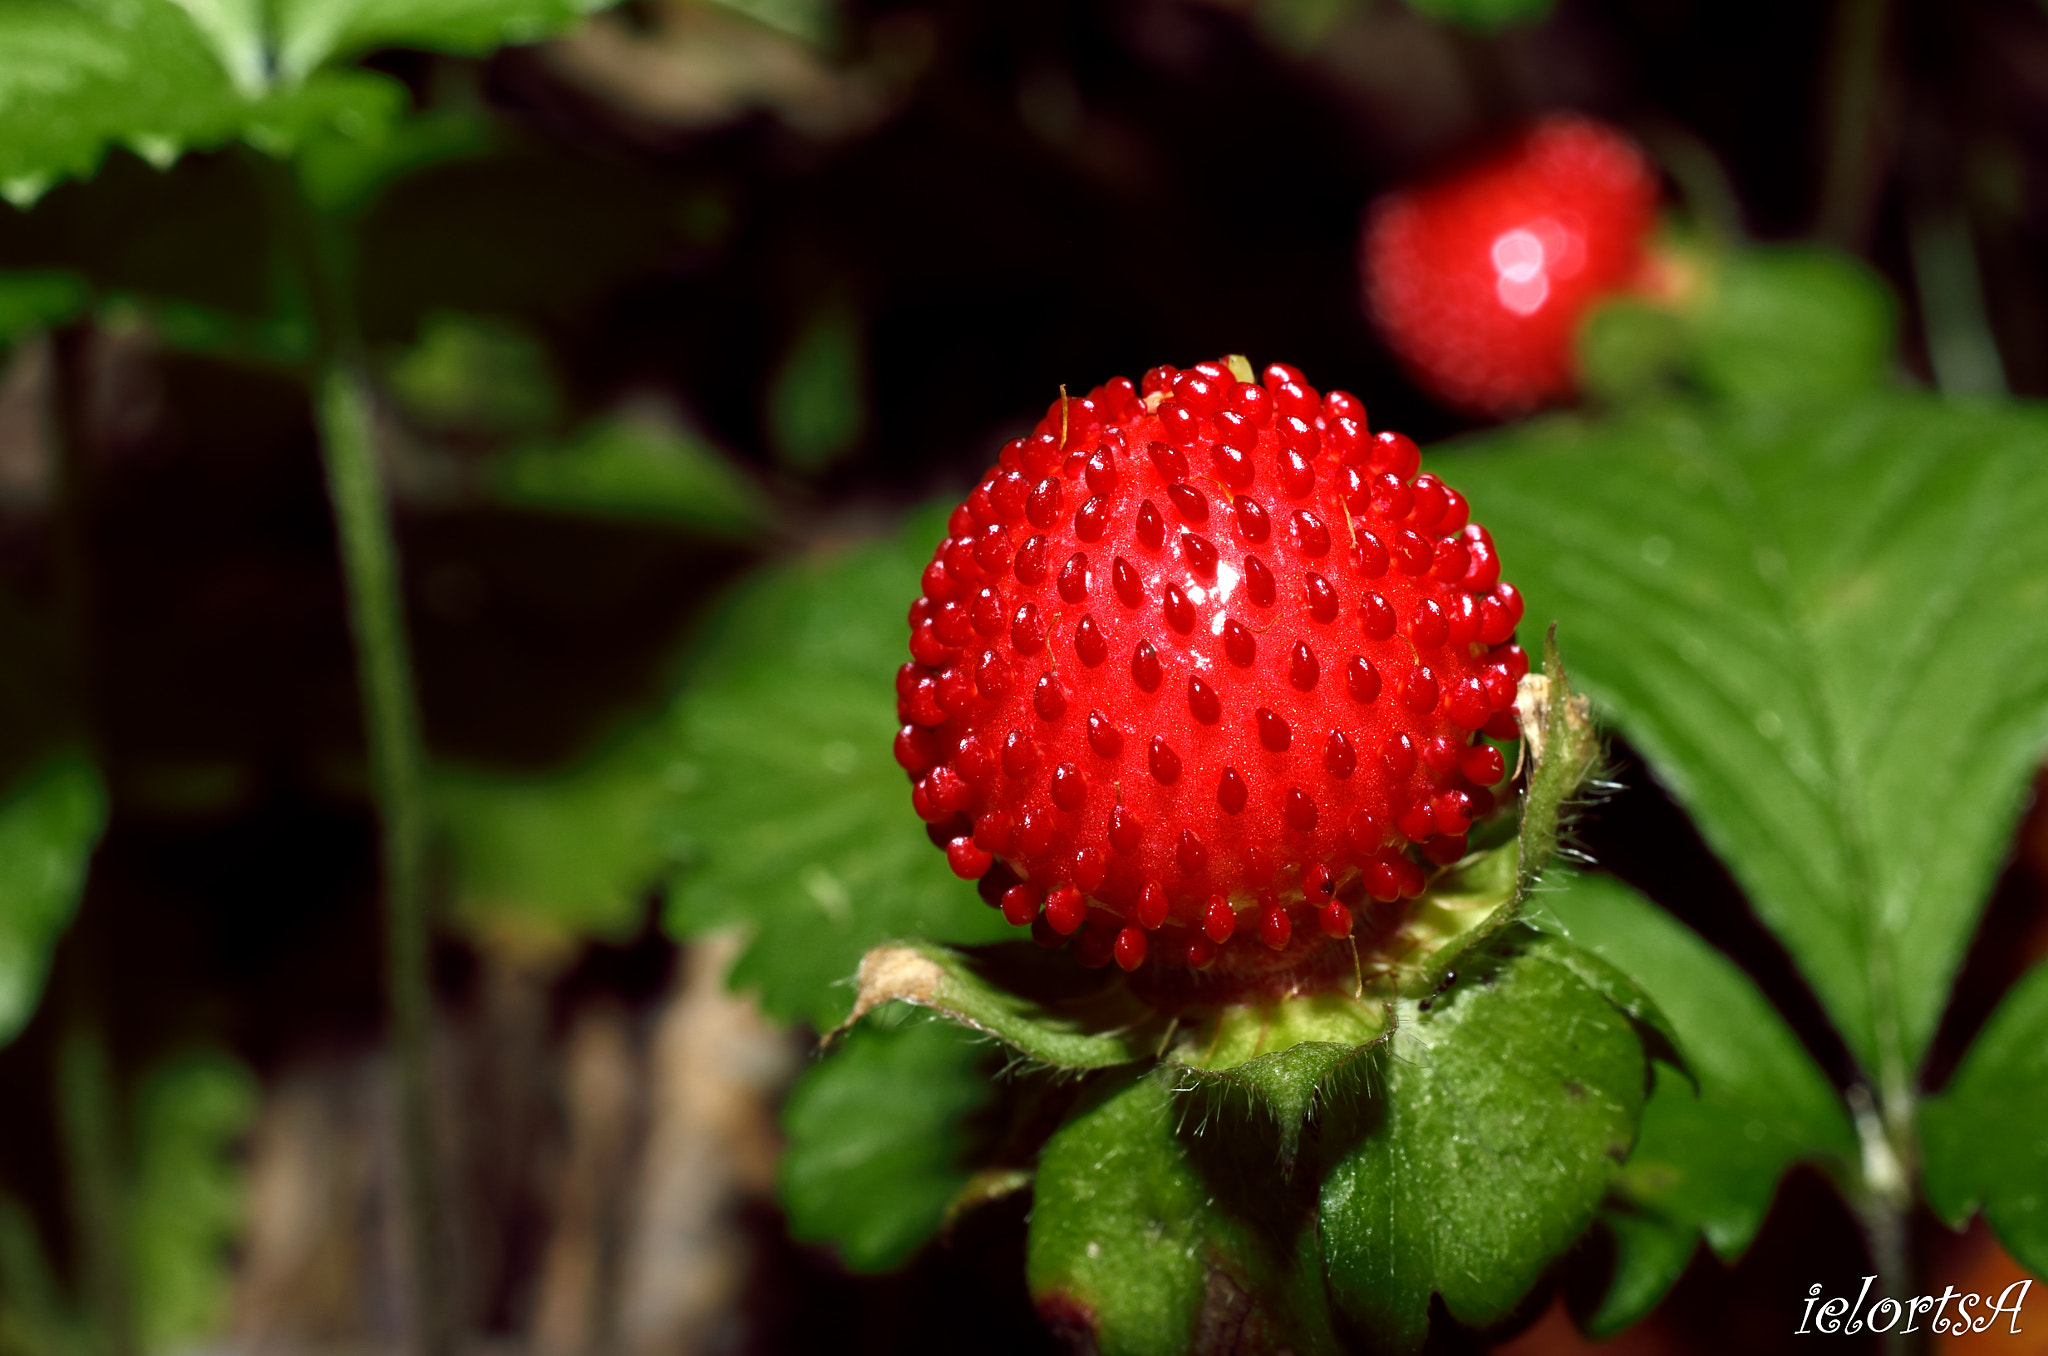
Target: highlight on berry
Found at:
1206, 677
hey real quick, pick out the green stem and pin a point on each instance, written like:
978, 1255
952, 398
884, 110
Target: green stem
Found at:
89, 1121
1884, 1204
369, 558
320, 266
1855, 121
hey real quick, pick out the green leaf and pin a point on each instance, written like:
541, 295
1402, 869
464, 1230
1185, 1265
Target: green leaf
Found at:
190, 1114
570, 854
162, 77
1497, 1121
1044, 1007
1793, 323
878, 1140
1709, 1158
817, 402
36, 301
1808, 621
1650, 1253
1984, 1140
797, 817
1150, 1240
36, 1318
480, 375
79, 75
1483, 16
50, 822
311, 32
631, 467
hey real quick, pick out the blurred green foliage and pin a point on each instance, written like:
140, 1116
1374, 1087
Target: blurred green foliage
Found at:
817, 400
1767, 326
1986, 1135
481, 375
31, 301
190, 1115
50, 821
627, 467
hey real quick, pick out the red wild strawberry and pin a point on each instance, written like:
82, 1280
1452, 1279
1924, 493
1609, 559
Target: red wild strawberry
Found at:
1479, 281
1195, 669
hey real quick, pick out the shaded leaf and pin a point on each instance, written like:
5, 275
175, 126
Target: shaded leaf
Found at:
1484, 16
50, 822
190, 1114
1044, 1007
631, 467
1709, 1158
1154, 1243
797, 819
817, 400
1984, 1140
571, 854
1495, 1126
35, 301
1793, 323
877, 1140
1804, 619
1650, 1253
477, 375
310, 33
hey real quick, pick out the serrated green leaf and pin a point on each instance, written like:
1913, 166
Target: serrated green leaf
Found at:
1708, 1157
187, 1209
77, 76
50, 821
1047, 1009
163, 77
310, 33
1984, 1140
1650, 1253
1498, 1121
634, 468
1807, 621
1154, 1241
798, 819
877, 1131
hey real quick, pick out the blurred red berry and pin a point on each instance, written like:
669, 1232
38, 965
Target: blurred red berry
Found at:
1478, 281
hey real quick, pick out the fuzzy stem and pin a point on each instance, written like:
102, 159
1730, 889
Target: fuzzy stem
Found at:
1884, 1205
369, 559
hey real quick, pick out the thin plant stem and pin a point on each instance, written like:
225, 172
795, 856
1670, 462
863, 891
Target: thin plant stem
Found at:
89, 1119
1856, 121
369, 559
